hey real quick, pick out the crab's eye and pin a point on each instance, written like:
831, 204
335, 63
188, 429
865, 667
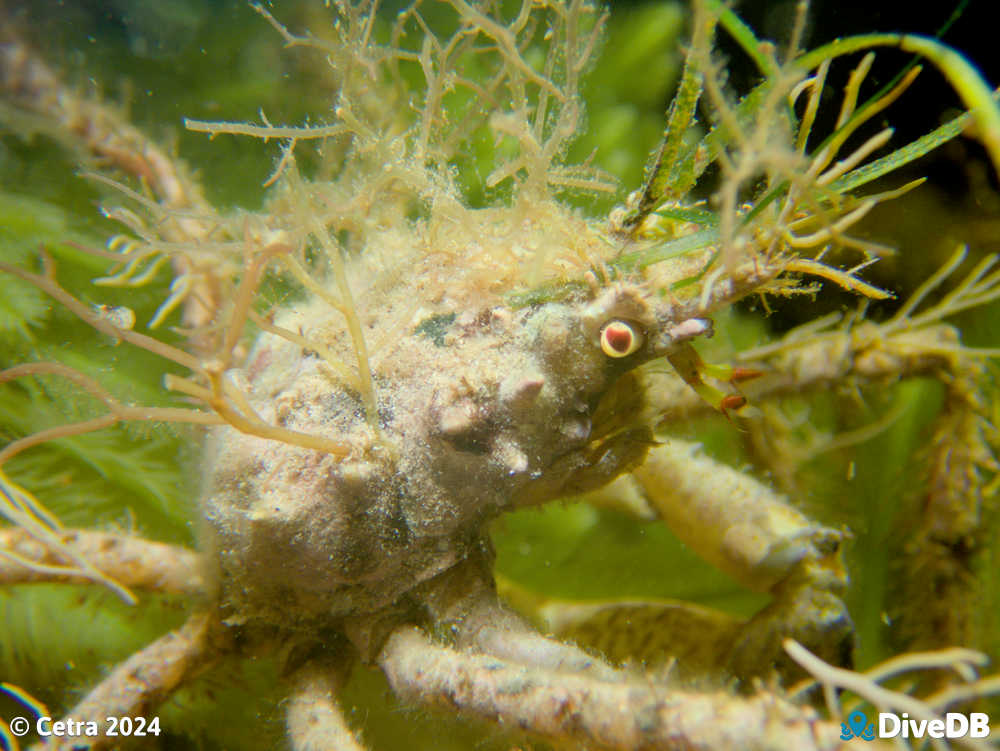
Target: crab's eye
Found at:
620, 339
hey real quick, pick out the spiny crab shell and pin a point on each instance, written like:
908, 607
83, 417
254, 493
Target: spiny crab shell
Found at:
488, 410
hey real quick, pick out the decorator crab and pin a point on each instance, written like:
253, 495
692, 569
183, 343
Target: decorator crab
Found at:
381, 362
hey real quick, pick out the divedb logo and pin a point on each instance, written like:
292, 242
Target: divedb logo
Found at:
891, 725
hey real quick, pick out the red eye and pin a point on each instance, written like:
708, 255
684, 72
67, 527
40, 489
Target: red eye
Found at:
619, 339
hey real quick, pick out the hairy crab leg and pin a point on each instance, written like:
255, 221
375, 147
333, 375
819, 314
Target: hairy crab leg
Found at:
518, 672
752, 533
509, 637
313, 716
131, 561
730, 519
938, 598
627, 713
29, 81
465, 602
142, 682
33, 85
791, 366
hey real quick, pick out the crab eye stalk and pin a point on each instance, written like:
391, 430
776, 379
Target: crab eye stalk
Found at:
620, 339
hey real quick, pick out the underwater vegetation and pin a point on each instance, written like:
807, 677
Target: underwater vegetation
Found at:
406, 397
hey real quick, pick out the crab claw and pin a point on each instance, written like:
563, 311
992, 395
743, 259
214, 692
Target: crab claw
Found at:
731, 401
689, 365
732, 374
740, 374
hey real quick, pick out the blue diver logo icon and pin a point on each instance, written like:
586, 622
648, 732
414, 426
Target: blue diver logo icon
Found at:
857, 726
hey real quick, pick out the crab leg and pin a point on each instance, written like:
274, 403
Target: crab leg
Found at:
143, 681
129, 561
33, 85
509, 637
29, 82
747, 530
626, 713
730, 519
793, 366
465, 600
938, 562
834, 350
313, 716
